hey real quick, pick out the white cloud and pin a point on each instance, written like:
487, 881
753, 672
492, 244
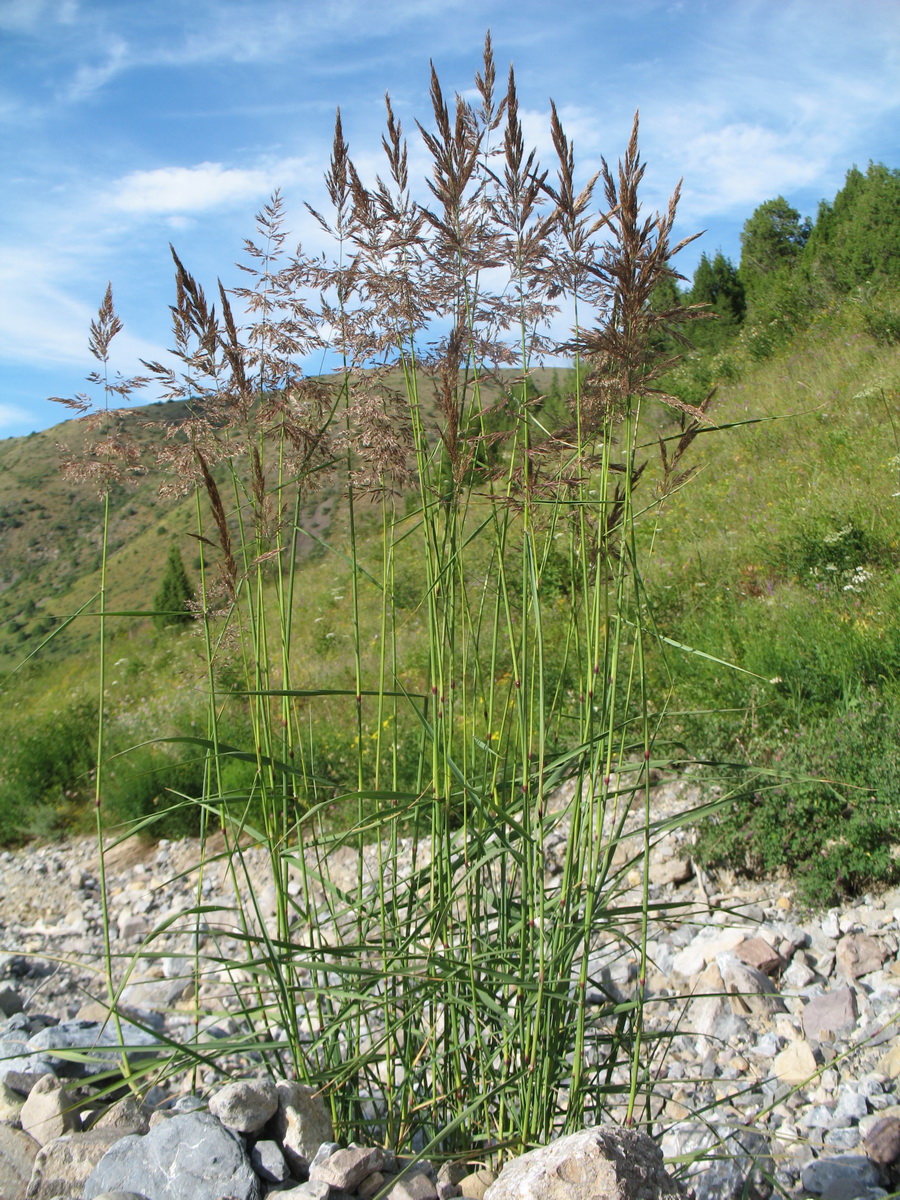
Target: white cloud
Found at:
191, 189
580, 126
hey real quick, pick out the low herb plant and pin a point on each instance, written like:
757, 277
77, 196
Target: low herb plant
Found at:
494, 631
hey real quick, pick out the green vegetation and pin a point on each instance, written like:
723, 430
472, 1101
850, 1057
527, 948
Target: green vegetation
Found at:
434, 587
172, 602
786, 554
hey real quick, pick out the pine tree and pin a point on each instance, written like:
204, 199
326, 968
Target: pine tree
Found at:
173, 597
771, 240
856, 239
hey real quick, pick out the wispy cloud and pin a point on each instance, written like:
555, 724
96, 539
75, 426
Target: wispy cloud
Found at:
12, 417
42, 323
28, 16
733, 167
91, 77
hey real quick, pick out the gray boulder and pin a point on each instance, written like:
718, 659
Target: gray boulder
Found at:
245, 1105
189, 1157
20, 1067
853, 1171
88, 1047
604, 1163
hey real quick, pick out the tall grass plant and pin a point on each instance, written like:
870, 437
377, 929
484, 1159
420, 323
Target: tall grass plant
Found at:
442, 995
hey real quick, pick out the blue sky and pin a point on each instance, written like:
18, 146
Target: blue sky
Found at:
128, 125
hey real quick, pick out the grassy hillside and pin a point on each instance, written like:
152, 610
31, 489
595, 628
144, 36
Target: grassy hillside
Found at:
780, 556
51, 529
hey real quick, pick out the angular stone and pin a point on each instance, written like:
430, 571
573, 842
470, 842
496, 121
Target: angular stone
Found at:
822, 1175
858, 954
268, 1162
889, 1063
851, 1107
882, 1143
301, 1123
728, 1163
704, 948
671, 871
795, 1064
189, 1157
127, 1115
346, 1169
132, 927
245, 1105
17, 1154
10, 1103
63, 1166
752, 993
828, 1014
756, 952
324, 1151
705, 1010
798, 975
311, 1190
20, 1068
415, 1186
454, 1172
10, 1002
49, 1112
846, 1138
603, 1163
371, 1185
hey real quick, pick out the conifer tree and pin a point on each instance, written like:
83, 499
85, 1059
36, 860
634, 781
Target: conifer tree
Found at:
172, 600
771, 240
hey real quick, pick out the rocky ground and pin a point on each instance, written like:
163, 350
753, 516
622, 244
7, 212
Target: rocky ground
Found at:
784, 1054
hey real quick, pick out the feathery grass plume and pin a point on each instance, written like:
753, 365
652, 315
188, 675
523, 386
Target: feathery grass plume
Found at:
115, 457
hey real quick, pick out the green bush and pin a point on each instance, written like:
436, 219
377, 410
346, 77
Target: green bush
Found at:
829, 548
882, 322
149, 781
832, 820
48, 772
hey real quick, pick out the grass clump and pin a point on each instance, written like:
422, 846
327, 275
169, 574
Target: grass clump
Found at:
486, 550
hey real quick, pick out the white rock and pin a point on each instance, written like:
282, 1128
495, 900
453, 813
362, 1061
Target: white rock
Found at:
704, 948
